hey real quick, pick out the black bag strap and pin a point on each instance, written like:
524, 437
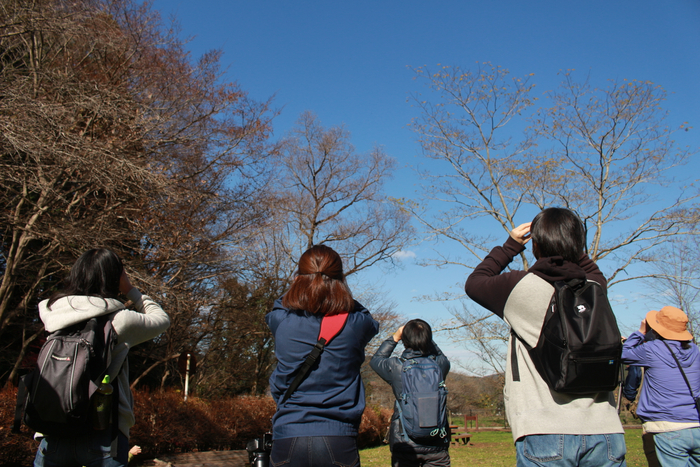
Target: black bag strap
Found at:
695, 400
514, 356
115, 404
330, 327
22, 394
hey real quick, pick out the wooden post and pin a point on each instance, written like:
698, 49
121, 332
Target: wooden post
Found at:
187, 376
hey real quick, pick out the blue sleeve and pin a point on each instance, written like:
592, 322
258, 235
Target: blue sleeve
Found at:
634, 352
442, 361
275, 317
632, 382
381, 361
371, 326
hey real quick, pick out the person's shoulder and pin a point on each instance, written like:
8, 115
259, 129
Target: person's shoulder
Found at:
278, 313
360, 313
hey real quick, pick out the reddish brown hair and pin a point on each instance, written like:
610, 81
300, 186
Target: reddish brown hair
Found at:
319, 285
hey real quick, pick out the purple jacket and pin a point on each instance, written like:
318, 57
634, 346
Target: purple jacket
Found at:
665, 396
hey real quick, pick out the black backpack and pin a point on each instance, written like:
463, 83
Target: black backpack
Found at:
580, 346
54, 398
423, 403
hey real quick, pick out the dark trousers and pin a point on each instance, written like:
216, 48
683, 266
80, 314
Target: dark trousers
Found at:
650, 450
318, 451
92, 450
401, 458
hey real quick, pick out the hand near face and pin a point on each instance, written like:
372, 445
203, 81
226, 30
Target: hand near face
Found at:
521, 233
644, 327
398, 334
124, 283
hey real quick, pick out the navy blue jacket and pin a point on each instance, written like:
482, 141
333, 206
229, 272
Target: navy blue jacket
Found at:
330, 401
389, 369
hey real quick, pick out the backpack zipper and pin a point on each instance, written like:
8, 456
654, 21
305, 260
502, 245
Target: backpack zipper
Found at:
72, 379
43, 366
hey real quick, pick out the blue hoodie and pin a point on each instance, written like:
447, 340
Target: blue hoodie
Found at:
665, 396
330, 401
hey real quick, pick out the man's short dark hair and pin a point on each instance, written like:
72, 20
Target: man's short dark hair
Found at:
558, 232
417, 335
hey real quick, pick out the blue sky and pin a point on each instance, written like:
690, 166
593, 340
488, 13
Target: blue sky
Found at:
350, 63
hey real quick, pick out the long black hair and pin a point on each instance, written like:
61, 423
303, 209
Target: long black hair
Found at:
96, 273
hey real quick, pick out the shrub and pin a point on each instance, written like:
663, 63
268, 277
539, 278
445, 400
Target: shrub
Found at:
15, 449
374, 426
166, 424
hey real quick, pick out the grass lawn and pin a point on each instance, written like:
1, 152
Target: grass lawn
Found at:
495, 449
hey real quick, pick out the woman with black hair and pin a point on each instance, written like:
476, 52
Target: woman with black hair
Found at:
318, 424
96, 281
418, 341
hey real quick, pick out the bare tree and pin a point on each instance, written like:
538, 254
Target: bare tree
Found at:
483, 334
475, 174
675, 279
324, 193
329, 194
609, 161
602, 152
112, 137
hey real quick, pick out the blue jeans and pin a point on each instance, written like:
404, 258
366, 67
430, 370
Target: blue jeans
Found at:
340, 451
571, 450
678, 448
92, 450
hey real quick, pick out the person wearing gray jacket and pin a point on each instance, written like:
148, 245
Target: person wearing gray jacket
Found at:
418, 342
95, 281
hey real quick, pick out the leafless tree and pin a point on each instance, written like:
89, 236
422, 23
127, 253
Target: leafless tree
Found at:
610, 159
330, 194
111, 136
675, 279
473, 174
603, 152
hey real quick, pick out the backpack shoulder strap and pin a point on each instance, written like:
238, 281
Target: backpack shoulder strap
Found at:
19, 407
696, 399
330, 327
515, 369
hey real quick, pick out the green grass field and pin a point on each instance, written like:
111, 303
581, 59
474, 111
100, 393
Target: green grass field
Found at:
495, 449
